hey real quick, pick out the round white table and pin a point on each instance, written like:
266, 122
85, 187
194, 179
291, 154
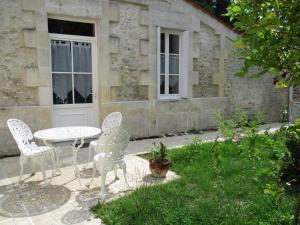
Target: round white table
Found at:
65, 134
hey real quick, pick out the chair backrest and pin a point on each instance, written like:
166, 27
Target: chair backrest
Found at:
114, 140
112, 120
21, 132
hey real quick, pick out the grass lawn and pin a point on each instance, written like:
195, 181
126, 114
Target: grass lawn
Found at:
235, 195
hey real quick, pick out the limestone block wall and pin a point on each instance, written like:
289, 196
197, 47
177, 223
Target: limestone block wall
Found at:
15, 59
206, 63
253, 94
128, 51
148, 118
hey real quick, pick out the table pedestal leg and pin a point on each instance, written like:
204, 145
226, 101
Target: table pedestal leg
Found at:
75, 153
54, 149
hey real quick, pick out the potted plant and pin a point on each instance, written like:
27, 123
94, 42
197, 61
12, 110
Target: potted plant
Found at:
159, 164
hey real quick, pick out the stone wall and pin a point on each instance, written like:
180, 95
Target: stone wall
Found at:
206, 63
251, 94
128, 61
37, 117
14, 58
149, 118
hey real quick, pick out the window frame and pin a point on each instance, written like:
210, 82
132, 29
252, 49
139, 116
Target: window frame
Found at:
168, 32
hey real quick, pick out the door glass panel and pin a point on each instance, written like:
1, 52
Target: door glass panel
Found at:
83, 88
174, 64
173, 84
173, 44
162, 63
62, 88
162, 84
82, 57
61, 56
162, 43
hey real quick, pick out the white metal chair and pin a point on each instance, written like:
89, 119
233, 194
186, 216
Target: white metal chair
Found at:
111, 145
29, 150
112, 120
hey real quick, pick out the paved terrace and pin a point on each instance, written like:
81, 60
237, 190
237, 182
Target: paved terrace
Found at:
66, 200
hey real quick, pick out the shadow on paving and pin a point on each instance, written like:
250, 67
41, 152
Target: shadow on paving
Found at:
30, 199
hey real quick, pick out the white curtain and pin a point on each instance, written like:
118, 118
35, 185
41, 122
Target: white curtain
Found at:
83, 84
82, 57
61, 56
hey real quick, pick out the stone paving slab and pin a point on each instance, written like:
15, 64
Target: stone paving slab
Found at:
65, 200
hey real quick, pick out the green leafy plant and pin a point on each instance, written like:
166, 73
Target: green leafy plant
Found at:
269, 37
159, 152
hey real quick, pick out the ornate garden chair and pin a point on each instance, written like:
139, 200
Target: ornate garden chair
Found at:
29, 150
112, 120
111, 150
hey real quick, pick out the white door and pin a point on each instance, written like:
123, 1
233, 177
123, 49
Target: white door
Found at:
73, 74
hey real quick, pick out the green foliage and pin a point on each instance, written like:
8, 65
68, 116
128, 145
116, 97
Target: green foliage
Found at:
158, 152
292, 134
241, 124
216, 7
238, 189
270, 37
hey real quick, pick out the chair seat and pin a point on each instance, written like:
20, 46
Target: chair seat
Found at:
93, 144
34, 150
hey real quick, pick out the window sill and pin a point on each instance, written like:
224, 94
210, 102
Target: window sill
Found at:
171, 98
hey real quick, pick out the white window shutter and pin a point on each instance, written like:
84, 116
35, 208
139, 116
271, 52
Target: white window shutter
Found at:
185, 64
158, 31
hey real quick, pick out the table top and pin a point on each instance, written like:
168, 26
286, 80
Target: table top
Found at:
61, 134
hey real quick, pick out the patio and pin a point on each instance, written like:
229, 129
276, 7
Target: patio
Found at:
65, 200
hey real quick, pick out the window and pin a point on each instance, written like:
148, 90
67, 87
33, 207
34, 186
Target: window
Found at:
71, 27
169, 79
71, 72
296, 94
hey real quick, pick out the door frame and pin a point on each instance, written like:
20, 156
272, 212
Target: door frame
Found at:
93, 42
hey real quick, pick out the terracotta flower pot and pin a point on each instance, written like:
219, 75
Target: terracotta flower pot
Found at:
159, 169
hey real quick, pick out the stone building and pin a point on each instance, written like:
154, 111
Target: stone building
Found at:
167, 65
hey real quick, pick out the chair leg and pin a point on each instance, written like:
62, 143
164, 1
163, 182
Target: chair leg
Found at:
21, 171
90, 152
116, 173
103, 192
42, 165
125, 177
94, 173
53, 164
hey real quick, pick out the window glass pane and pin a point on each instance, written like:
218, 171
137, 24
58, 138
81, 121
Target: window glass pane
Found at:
296, 94
174, 44
162, 84
61, 56
83, 88
62, 88
71, 27
162, 43
162, 63
82, 57
174, 64
173, 84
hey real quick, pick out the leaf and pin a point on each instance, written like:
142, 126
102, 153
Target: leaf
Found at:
235, 9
